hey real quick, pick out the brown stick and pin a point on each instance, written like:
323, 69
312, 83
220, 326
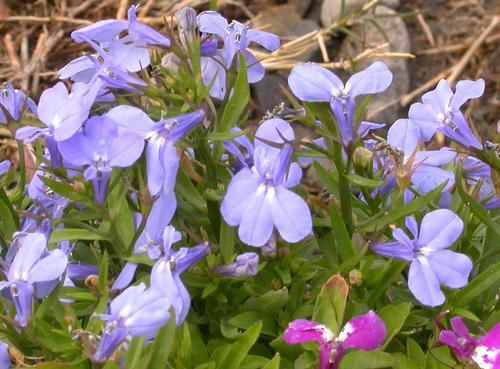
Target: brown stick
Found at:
122, 9
459, 67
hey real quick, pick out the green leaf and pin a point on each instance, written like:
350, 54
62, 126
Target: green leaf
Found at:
235, 105
487, 279
185, 188
269, 302
388, 216
476, 208
392, 272
363, 182
74, 234
241, 347
415, 352
331, 302
103, 273
342, 239
274, 363
403, 362
134, 352
162, 344
367, 360
226, 241
394, 316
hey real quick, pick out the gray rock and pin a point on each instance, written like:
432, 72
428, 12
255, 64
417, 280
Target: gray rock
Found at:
331, 9
302, 6
399, 41
267, 93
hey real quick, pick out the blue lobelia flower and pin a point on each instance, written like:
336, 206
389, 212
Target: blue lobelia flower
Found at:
5, 362
245, 265
313, 83
258, 198
109, 30
161, 214
237, 37
136, 312
62, 113
365, 332
431, 264
34, 271
14, 102
440, 111
4, 167
99, 148
170, 265
478, 173
161, 153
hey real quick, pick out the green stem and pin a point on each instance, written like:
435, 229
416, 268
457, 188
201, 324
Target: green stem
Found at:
344, 190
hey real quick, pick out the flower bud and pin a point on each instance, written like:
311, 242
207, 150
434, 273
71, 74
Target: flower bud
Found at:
355, 277
171, 63
246, 265
362, 157
187, 23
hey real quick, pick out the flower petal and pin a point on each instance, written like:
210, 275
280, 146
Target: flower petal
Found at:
487, 353
256, 226
451, 268
290, 214
268, 41
301, 330
239, 191
439, 229
404, 135
212, 22
466, 90
32, 247
374, 79
49, 268
365, 332
125, 149
310, 82
424, 284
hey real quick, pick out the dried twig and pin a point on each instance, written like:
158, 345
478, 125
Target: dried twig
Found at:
427, 29
122, 9
459, 67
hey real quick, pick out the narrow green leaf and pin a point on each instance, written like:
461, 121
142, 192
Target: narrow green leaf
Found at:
490, 278
241, 347
103, 273
388, 216
363, 182
274, 363
74, 234
392, 272
226, 241
134, 352
162, 345
342, 239
367, 360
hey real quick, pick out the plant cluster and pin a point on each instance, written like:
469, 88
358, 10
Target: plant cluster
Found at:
147, 224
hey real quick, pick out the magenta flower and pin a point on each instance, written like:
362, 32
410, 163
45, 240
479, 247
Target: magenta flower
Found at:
365, 332
310, 82
431, 264
237, 37
440, 111
484, 352
136, 312
258, 198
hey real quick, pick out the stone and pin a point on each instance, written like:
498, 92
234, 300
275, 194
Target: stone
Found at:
399, 41
267, 93
302, 6
331, 9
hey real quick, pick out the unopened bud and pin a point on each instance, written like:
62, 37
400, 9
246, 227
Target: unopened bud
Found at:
246, 265
92, 281
171, 63
362, 157
270, 248
187, 23
355, 277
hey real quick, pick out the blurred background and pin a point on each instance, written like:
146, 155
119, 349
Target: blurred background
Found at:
421, 41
